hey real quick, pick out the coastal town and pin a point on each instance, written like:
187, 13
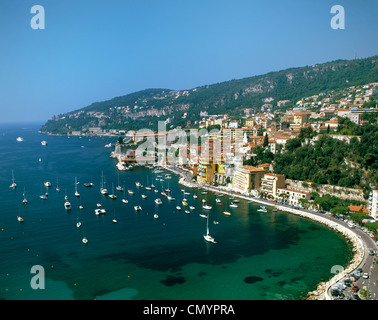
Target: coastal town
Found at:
236, 156
215, 162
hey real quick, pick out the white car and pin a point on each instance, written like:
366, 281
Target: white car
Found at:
365, 275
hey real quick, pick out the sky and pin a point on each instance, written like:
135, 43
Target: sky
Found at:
94, 50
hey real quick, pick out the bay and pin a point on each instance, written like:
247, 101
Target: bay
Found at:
268, 256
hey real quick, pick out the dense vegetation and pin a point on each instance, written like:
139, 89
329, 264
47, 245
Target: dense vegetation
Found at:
331, 161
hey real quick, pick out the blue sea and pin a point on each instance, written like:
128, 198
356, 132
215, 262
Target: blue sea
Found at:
268, 256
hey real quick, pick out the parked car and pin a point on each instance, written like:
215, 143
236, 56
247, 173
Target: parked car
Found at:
354, 289
371, 252
365, 275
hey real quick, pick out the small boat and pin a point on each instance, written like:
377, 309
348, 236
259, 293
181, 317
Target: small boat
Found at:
191, 207
187, 193
233, 205
195, 196
20, 219
84, 240
156, 190
130, 191
167, 190
184, 203
207, 236
207, 207
163, 194
20, 139
156, 216
148, 188
235, 201
138, 184
81, 207
99, 205
24, 201
227, 213
44, 143
43, 197
170, 198
89, 185
114, 221
77, 194
78, 224
13, 185
57, 185
47, 184
187, 211
112, 196
137, 208
215, 222
125, 201
178, 208
119, 188
261, 210
144, 196
217, 200
103, 190
152, 186
203, 215
158, 201
67, 205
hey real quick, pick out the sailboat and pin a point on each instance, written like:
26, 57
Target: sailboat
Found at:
206, 206
77, 194
207, 236
13, 185
24, 201
112, 196
114, 219
119, 188
57, 185
103, 190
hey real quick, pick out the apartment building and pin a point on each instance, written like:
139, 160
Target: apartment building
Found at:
270, 182
247, 178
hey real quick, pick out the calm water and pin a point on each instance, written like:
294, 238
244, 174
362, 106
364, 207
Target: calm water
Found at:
258, 255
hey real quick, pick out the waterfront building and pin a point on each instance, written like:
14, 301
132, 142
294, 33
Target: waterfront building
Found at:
292, 196
247, 178
271, 182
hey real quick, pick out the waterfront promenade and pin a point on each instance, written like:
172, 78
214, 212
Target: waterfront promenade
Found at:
362, 243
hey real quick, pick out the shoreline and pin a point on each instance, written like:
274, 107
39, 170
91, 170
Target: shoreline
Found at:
358, 247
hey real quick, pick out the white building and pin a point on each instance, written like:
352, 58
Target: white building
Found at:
373, 204
293, 195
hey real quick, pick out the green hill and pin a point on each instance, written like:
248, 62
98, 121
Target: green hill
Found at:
142, 109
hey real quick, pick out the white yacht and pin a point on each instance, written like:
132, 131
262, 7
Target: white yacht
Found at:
84, 240
158, 201
125, 201
156, 216
20, 139
144, 196
67, 205
44, 143
178, 208
130, 191
137, 208
20, 219
47, 184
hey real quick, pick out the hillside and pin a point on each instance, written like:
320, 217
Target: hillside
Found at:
143, 109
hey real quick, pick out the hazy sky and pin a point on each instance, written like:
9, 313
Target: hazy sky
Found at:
94, 50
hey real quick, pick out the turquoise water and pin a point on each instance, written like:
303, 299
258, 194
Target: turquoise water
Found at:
271, 255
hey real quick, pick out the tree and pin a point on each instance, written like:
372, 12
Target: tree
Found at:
266, 140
